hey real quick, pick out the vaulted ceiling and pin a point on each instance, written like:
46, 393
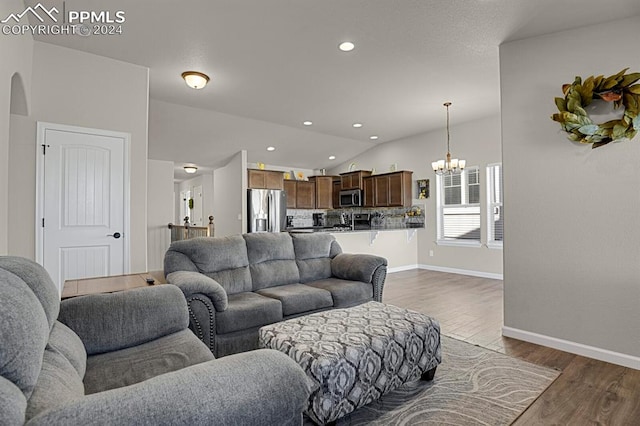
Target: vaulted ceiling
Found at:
275, 63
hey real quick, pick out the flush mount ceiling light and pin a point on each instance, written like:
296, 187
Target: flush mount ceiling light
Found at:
346, 46
271, 148
195, 79
373, 137
307, 123
332, 157
357, 125
448, 166
190, 169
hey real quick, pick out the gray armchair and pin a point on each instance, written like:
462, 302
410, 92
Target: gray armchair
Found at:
127, 358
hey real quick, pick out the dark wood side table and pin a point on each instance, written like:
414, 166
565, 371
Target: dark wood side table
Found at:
73, 288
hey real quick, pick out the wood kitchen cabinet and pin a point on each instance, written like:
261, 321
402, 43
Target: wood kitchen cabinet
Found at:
353, 180
368, 189
290, 188
337, 186
300, 194
388, 190
265, 179
324, 191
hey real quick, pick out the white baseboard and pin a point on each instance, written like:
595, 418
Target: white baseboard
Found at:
573, 347
402, 268
462, 271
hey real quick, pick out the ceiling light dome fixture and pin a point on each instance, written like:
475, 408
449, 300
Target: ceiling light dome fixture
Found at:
448, 166
346, 46
271, 148
307, 123
357, 125
190, 169
195, 79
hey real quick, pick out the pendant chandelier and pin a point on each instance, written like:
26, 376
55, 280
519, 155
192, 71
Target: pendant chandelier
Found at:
448, 166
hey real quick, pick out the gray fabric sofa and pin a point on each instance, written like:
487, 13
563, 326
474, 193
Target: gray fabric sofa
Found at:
235, 285
127, 358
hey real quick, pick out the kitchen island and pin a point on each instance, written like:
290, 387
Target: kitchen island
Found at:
398, 245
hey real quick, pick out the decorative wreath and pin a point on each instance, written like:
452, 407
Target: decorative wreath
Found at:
619, 89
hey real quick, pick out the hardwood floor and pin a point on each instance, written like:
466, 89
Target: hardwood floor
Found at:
588, 392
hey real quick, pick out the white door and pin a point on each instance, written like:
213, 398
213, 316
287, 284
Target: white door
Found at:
82, 202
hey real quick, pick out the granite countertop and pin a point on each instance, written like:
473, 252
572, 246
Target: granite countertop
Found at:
347, 229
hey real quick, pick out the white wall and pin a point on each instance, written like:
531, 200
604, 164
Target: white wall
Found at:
80, 89
478, 142
572, 251
230, 196
17, 56
159, 211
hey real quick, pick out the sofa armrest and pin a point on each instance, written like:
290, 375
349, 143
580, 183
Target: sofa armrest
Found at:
361, 267
109, 322
196, 283
262, 387
356, 267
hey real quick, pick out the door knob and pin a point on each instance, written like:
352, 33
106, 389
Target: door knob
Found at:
115, 235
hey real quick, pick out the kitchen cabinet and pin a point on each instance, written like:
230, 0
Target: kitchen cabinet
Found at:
265, 179
300, 194
323, 191
290, 189
337, 186
388, 190
367, 186
353, 180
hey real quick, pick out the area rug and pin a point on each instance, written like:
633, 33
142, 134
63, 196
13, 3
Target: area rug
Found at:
472, 386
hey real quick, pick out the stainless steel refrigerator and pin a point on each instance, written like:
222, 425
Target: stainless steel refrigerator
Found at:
267, 210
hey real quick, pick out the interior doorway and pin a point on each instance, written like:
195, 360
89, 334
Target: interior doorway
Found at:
82, 205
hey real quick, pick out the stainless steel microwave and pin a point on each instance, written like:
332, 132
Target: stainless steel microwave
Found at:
351, 198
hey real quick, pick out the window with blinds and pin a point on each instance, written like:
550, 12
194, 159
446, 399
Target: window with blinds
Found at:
495, 214
459, 206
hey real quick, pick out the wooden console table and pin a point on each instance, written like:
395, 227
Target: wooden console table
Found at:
73, 288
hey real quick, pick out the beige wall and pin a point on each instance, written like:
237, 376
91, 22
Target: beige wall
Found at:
571, 213
479, 143
230, 196
398, 247
159, 211
16, 53
75, 88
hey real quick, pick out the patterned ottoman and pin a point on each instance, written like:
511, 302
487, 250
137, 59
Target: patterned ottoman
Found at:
355, 355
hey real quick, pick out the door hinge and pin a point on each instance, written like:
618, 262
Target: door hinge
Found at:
44, 149
43, 222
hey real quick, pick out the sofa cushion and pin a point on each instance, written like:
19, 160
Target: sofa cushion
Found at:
224, 259
13, 403
297, 298
271, 259
141, 314
132, 365
247, 310
313, 255
58, 384
344, 292
65, 341
24, 333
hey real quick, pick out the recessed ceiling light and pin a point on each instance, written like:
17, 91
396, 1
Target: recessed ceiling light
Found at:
307, 123
271, 148
373, 137
346, 46
332, 157
357, 125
